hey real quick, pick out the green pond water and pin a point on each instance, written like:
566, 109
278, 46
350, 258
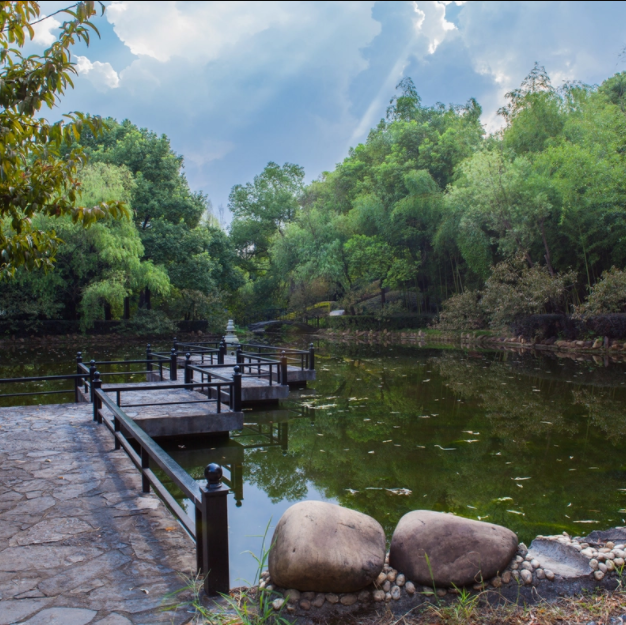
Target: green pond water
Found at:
532, 442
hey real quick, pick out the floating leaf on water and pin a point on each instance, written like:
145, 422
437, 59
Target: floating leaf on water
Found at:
622, 511
548, 422
399, 491
516, 512
420, 447
472, 508
352, 491
475, 440
389, 441
519, 479
593, 467
426, 380
396, 445
394, 413
446, 448
504, 499
480, 518
519, 486
366, 419
373, 488
325, 407
371, 452
319, 434
424, 417
586, 521
396, 427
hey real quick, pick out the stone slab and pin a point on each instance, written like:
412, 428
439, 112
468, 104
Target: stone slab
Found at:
79, 540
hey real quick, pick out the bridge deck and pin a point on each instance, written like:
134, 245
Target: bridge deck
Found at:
78, 540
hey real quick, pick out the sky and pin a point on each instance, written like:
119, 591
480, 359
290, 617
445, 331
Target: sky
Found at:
235, 85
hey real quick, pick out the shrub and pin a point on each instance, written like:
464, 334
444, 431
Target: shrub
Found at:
149, 323
608, 295
462, 312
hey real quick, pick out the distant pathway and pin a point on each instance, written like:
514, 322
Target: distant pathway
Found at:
79, 543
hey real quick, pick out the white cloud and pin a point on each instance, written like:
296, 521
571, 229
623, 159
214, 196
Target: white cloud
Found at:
43, 31
101, 75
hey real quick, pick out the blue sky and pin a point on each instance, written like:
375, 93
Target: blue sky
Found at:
237, 84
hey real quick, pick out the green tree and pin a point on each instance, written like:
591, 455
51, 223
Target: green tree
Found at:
36, 177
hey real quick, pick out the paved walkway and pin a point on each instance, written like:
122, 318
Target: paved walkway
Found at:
79, 543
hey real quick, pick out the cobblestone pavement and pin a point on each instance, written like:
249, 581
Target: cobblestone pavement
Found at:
79, 542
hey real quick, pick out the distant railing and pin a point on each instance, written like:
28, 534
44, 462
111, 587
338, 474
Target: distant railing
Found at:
305, 359
77, 379
209, 527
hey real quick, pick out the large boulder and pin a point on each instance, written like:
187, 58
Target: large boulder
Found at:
322, 547
433, 547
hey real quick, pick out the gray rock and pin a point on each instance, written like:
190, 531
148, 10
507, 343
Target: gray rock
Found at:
387, 586
114, 619
349, 599
400, 580
318, 602
379, 595
526, 576
12, 611
323, 547
364, 596
332, 598
410, 588
460, 551
277, 604
305, 604
506, 577
560, 559
395, 593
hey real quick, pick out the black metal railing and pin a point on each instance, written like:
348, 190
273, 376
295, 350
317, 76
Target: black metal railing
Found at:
77, 379
209, 527
303, 358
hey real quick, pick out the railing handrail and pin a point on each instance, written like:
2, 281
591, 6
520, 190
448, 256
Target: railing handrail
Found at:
85, 367
39, 378
287, 350
161, 387
174, 471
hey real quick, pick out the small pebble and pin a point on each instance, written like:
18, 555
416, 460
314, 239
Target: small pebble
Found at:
515, 574
496, 582
535, 564
593, 564
540, 573
348, 599
277, 604
478, 587
391, 576
506, 577
528, 558
379, 595
318, 602
270, 587
332, 598
526, 576
549, 575
610, 545
441, 592
387, 586
309, 596
410, 588
395, 593
401, 580
364, 596
454, 591
381, 579
619, 561
514, 566
602, 567
527, 566
387, 597
599, 575
262, 585
292, 595
305, 604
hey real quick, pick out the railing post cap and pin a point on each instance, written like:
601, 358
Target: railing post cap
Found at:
148, 346
79, 353
92, 362
213, 474
311, 346
236, 370
173, 350
187, 355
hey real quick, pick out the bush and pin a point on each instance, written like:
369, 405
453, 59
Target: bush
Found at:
462, 312
149, 323
607, 296
368, 322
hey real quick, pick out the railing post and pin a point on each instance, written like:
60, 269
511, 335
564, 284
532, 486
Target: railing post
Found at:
311, 357
92, 372
212, 533
188, 371
78, 381
97, 402
222, 353
175, 344
239, 355
173, 365
149, 357
236, 390
283, 368
145, 464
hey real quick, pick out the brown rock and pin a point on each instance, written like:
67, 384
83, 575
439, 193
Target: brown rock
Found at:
305, 604
326, 548
460, 551
348, 599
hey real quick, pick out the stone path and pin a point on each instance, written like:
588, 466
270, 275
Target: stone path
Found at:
79, 542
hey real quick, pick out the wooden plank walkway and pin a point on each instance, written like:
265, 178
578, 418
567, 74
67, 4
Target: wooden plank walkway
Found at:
79, 542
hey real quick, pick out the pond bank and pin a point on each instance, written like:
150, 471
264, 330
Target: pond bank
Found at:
79, 541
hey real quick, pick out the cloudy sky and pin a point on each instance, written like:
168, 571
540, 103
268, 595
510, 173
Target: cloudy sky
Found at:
237, 84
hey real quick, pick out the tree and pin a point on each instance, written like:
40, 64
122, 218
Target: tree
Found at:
36, 178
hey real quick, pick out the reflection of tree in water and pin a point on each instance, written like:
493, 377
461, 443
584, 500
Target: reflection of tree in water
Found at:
605, 412
517, 405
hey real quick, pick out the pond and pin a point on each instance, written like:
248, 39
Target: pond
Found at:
530, 441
